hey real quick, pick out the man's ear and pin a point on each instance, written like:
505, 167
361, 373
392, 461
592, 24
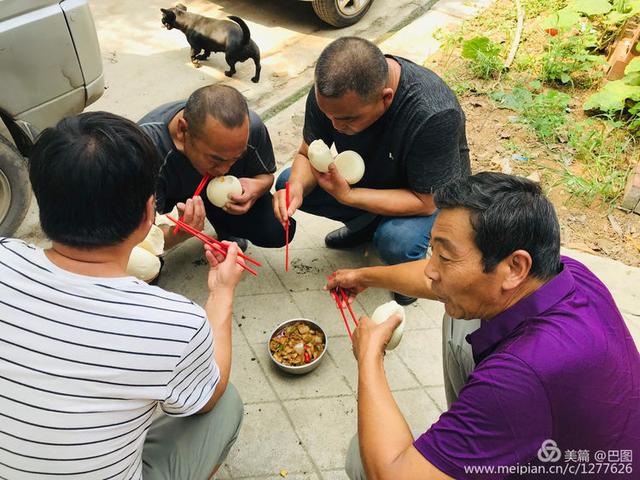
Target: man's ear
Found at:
516, 268
183, 126
150, 211
387, 96
182, 7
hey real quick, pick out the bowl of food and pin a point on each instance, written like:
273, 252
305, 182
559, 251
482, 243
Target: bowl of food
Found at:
297, 346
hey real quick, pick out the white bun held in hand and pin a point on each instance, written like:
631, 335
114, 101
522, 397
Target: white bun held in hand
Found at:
350, 165
320, 156
154, 241
143, 264
220, 188
382, 314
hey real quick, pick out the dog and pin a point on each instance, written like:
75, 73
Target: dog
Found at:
208, 35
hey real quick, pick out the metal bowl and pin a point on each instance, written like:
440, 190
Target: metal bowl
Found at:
301, 369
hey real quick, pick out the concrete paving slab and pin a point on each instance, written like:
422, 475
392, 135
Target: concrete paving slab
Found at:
422, 353
438, 396
416, 317
418, 409
308, 268
334, 475
433, 310
248, 377
463, 9
403, 42
327, 380
262, 313
398, 375
325, 427
267, 444
265, 282
320, 307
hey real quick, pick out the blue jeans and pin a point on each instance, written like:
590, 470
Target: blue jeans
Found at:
397, 239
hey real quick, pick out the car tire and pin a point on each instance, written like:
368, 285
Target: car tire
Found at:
339, 13
15, 190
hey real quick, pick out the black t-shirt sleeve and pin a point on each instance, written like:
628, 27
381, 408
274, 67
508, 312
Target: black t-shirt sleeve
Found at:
260, 159
434, 158
161, 195
316, 124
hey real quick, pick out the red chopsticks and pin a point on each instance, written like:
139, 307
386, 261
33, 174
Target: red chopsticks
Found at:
215, 244
201, 185
286, 261
334, 293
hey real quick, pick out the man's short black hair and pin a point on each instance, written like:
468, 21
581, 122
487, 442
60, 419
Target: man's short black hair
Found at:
222, 102
92, 175
351, 64
508, 213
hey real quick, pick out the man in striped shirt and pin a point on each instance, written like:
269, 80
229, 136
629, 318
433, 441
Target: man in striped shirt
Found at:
87, 353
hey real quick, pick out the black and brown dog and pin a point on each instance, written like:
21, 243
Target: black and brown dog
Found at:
208, 35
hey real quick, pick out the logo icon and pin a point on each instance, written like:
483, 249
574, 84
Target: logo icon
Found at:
549, 452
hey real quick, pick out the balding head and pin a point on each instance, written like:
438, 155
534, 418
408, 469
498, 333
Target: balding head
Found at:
225, 104
351, 64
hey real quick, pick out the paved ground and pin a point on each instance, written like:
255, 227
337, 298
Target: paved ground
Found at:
299, 424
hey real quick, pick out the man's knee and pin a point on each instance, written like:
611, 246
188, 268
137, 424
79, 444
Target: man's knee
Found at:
274, 235
283, 178
397, 244
233, 406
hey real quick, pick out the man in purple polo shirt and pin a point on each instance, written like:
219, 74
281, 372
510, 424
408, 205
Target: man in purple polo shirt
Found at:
556, 388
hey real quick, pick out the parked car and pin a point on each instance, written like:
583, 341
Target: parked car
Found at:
340, 13
50, 67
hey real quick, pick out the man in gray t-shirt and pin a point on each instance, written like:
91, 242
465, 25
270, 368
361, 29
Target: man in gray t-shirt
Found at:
214, 132
407, 125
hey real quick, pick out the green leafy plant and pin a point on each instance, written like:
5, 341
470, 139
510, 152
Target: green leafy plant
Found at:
568, 58
545, 112
484, 57
620, 96
603, 150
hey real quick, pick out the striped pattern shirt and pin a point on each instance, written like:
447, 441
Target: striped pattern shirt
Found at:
84, 361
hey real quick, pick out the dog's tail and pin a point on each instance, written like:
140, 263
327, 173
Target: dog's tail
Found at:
246, 34
23, 142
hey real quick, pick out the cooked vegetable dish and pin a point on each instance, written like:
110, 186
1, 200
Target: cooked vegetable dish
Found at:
297, 344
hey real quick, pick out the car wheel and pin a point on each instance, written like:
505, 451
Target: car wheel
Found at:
341, 13
15, 191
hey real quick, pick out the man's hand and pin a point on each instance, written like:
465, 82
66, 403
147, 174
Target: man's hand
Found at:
280, 204
333, 183
350, 280
224, 273
370, 338
192, 212
240, 204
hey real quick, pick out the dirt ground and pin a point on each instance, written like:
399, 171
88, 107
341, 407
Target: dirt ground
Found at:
498, 142
596, 229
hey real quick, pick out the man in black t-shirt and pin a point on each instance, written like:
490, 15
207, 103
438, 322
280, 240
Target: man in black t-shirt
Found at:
215, 133
408, 127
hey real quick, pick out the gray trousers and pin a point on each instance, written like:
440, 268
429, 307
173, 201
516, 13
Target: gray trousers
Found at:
457, 363
189, 448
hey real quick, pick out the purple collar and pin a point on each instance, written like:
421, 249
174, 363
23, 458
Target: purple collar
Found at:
491, 332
